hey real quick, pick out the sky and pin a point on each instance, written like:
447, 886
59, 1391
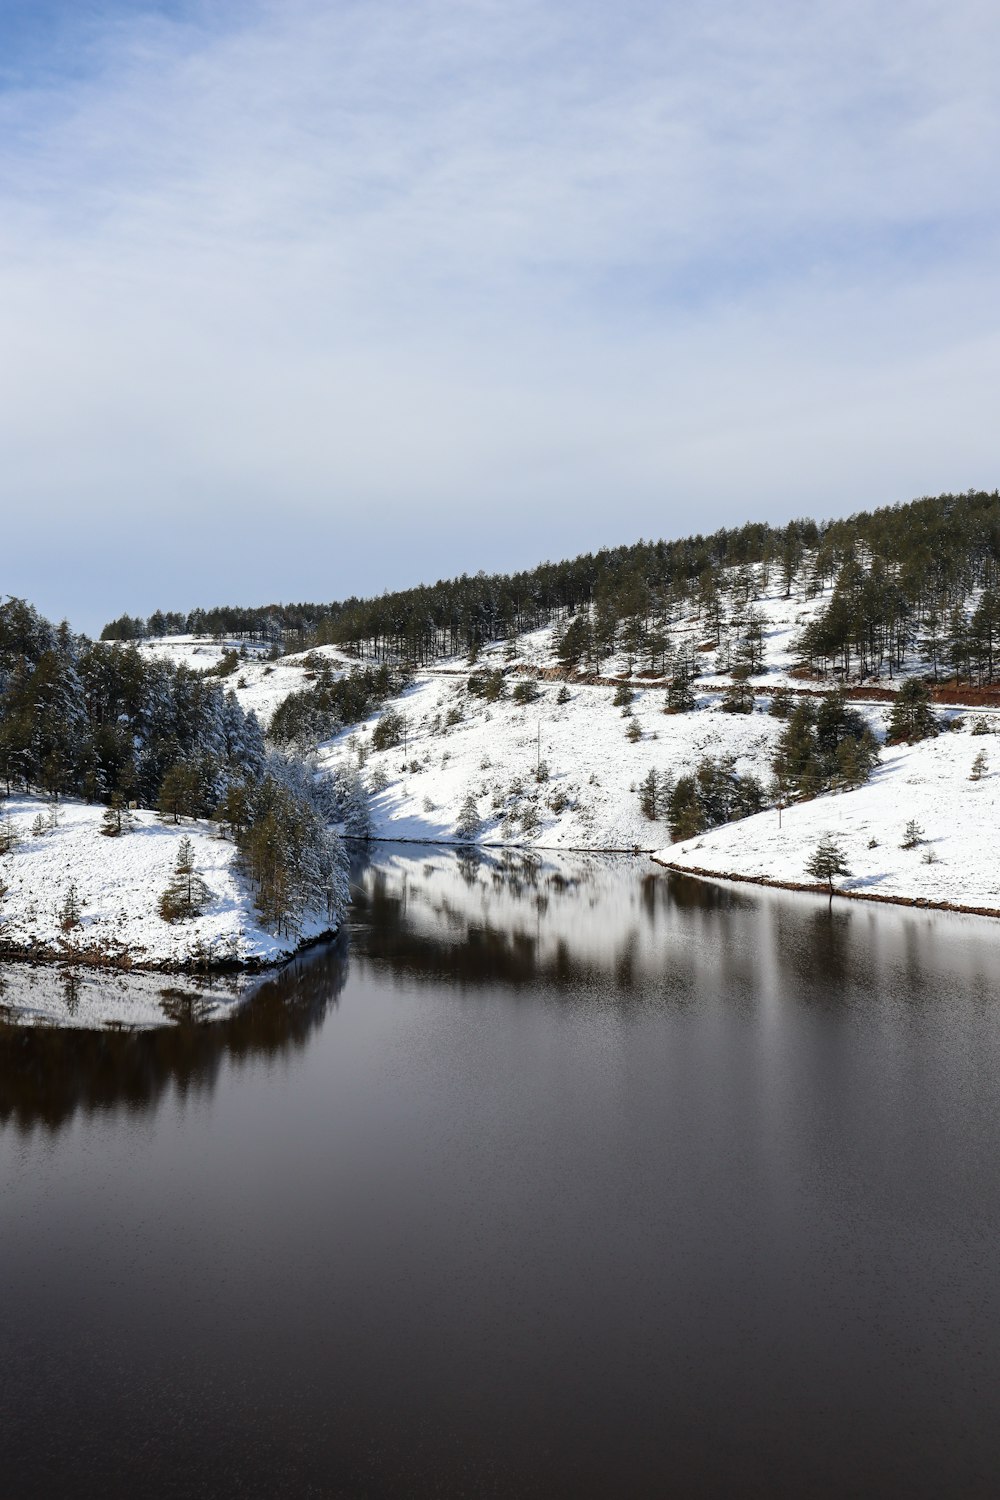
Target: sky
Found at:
300, 300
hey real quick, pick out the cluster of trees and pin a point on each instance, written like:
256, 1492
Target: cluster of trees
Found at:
293, 860
321, 710
903, 580
274, 623
911, 582
106, 723
89, 719
825, 744
713, 794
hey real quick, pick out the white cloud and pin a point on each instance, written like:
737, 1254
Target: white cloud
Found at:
591, 271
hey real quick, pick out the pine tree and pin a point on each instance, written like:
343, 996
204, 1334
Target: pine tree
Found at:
180, 792
187, 893
680, 697
912, 717
469, 821
738, 697
913, 835
980, 766
827, 862
649, 798
69, 911
117, 817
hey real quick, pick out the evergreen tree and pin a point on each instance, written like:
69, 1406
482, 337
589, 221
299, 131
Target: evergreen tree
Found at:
827, 862
117, 817
469, 821
180, 792
70, 914
738, 697
187, 894
912, 717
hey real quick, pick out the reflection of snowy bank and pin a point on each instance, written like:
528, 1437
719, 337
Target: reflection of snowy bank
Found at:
51, 1072
602, 929
66, 995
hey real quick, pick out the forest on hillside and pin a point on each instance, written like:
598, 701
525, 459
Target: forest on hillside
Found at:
109, 724
909, 581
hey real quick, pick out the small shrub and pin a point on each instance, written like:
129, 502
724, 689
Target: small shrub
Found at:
913, 835
634, 732
526, 691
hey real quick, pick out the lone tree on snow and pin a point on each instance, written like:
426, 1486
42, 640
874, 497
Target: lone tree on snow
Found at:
827, 862
979, 766
187, 893
117, 817
469, 822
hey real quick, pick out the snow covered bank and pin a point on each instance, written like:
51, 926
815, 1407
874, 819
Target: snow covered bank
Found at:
954, 864
118, 884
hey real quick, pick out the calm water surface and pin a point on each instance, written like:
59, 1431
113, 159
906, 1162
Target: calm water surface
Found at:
545, 1180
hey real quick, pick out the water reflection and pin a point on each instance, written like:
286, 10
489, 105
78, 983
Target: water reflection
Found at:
49, 1074
614, 928
603, 931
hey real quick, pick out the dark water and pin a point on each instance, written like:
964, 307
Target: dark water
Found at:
577, 1181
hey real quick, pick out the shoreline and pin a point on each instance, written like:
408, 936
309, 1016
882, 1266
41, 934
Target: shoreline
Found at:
46, 956
920, 903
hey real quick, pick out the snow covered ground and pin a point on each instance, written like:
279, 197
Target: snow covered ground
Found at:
955, 862
259, 683
589, 798
118, 883
594, 755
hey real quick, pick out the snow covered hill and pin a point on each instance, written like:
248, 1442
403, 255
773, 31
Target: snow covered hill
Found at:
118, 883
565, 770
953, 860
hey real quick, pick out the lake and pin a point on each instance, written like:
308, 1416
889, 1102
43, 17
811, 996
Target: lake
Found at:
548, 1178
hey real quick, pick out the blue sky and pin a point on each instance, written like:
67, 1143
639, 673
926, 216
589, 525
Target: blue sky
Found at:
302, 300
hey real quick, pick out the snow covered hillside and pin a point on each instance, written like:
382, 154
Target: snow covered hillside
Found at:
260, 684
953, 853
588, 794
557, 759
118, 883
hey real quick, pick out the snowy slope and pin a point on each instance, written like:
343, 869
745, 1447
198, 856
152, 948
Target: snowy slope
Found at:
260, 684
119, 882
955, 862
593, 767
